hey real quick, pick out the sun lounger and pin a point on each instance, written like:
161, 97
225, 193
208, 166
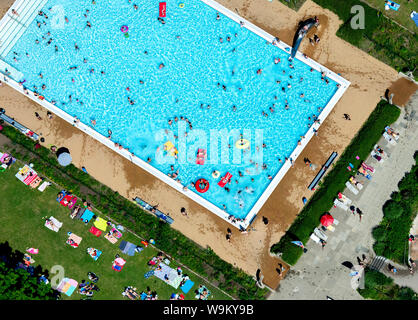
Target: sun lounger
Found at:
377, 156
340, 205
351, 187
53, 224
320, 234
389, 138
315, 238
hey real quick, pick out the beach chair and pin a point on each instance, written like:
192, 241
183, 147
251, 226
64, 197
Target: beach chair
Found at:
315, 238
320, 234
340, 205
389, 139
351, 187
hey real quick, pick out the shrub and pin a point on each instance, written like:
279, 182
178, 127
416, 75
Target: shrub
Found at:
392, 210
379, 233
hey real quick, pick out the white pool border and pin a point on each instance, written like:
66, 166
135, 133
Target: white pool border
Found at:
344, 84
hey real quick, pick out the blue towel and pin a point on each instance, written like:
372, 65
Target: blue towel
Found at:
87, 215
149, 274
187, 286
64, 194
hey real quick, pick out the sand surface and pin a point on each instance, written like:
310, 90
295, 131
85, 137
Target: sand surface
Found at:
369, 77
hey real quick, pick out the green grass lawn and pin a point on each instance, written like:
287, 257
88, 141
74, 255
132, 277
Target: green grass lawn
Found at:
402, 16
21, 216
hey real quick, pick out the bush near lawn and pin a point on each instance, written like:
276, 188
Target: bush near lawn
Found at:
381, 37
201, 260
392, 233
334, 181
379, 287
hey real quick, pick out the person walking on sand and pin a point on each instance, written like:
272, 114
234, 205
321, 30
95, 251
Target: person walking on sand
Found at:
360, 213
347, 116
183, 211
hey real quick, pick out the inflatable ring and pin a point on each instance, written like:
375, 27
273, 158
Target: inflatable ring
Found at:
202, 185
124, 28
242, 144
216, 174
181, 5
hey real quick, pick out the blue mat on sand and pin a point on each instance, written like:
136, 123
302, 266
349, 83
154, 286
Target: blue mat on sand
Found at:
187, 286
87, 215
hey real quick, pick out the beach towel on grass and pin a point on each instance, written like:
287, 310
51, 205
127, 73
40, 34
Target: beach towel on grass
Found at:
94, 253
100, 224
111, 238
74, 240
67, 286
187, 286
95, 231
53, 224
173, 278
127, 248
87, 215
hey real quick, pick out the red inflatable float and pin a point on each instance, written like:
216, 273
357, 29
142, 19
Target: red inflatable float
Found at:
202, 185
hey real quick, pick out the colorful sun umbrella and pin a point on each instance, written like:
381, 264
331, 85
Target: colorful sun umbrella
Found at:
327, 220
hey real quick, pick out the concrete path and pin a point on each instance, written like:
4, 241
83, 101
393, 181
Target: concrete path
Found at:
319, 273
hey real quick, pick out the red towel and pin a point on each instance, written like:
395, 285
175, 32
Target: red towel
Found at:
95, 231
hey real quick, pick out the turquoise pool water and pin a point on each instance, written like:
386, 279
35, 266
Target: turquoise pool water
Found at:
195, 61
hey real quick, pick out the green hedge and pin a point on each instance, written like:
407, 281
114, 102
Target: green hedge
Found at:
379, 287
392, 233
203, 261
334, 181
294, 4
381, 37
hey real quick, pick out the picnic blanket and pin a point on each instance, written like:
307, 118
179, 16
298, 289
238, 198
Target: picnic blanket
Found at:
100, 224
74, 240
53, 224
173, 278
95, 231
87, 215
67, 286
187, 286
127, 248
27, 175
111, 238
94, 253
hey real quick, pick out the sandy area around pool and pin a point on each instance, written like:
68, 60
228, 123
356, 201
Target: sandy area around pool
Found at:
369, 77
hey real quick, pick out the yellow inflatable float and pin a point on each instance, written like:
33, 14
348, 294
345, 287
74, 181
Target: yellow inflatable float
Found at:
242, 144
170, 148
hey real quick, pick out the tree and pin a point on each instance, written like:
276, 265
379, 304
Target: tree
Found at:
18, 284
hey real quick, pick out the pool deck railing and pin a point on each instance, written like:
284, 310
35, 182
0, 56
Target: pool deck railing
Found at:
343, 86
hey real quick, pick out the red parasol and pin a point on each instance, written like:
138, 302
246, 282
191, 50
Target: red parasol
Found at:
327, 220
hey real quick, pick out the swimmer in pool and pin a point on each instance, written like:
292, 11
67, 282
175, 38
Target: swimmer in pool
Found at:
161, 65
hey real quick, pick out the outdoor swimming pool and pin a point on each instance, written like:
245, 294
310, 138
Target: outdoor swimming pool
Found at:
97, 73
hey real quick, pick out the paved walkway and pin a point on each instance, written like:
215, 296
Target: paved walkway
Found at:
319, 273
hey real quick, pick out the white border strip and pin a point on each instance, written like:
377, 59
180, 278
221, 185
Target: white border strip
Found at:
176, 185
